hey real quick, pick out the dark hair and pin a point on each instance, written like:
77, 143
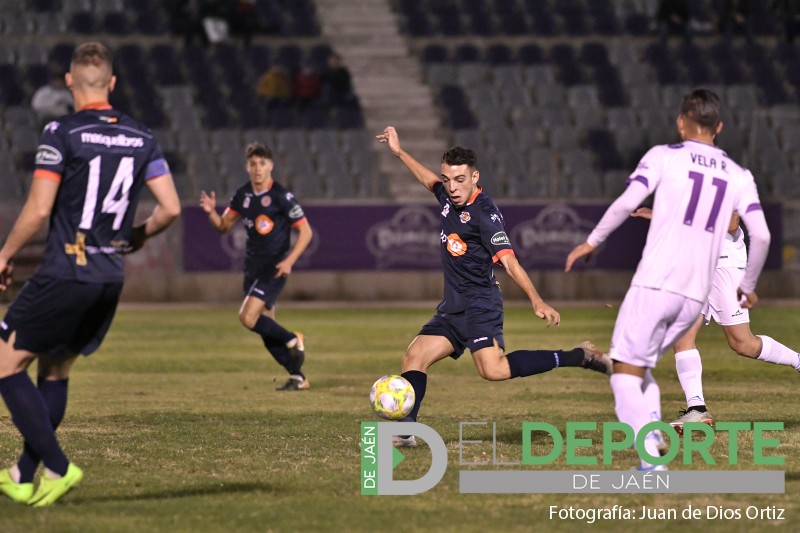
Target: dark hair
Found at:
459, 155
92, 53
258, 150
702, 106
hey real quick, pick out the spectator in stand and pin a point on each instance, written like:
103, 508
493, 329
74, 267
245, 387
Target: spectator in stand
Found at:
184, 19
734, 17
52, 101
337, 87
788, 13
307, 86
244, 20
673, 18
275, 87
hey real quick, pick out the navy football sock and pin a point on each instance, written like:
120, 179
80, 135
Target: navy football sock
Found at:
529, 362
29, 414
418, 380
281, 354
269, 329
54, 394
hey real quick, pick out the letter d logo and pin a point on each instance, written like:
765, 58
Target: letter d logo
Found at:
386, 485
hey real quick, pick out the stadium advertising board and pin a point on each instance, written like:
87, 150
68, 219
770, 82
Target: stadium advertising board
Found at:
392, 237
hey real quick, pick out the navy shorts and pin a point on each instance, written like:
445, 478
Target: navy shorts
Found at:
264, 288
56, 316
475, 328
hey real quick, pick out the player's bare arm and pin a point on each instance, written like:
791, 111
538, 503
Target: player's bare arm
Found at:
582, 250
521, 278
33, 217
304, 235
223, 223
423, 174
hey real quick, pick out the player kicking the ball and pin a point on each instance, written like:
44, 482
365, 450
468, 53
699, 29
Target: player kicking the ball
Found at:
269, 212
470, 316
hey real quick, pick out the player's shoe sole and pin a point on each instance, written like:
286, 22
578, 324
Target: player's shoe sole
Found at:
594, 359
19, 492
294, 383
50, 490
691, 416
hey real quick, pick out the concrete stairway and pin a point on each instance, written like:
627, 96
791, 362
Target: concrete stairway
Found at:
388, 82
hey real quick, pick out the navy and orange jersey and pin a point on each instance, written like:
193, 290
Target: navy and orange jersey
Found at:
473, 239
101, 159
269, 217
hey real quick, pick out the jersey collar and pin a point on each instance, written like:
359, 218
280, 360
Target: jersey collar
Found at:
96, 105
472, 198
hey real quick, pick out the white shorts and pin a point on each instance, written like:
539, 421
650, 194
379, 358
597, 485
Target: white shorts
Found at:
649, 323
723, 304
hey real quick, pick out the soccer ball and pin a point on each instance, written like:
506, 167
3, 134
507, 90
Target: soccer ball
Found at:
392, 397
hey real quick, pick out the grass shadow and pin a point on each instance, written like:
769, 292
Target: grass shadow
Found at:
188, 492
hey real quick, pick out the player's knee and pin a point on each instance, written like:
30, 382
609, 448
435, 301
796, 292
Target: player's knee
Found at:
494, 372
247, 320
413, 360
746, 347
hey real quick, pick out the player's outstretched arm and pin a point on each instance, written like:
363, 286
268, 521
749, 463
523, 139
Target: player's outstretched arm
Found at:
304, 234
167, 209
423, 174
32, 218
223, 224
579, 251
521, 278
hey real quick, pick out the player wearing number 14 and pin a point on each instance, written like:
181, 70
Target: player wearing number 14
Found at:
90, 169
697, 189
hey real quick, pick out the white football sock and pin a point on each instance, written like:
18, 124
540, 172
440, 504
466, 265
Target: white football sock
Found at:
630, 407
690, 374
652, 396
774, 352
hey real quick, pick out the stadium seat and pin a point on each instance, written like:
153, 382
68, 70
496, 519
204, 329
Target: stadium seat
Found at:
50, 23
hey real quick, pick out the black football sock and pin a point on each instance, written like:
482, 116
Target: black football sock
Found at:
29, 414
418, 380
698, 408
268, 328
54, 394
529, 362
281, 354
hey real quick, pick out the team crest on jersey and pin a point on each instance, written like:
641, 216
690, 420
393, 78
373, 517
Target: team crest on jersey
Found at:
446, 210
455, 245
289, 196
264, 224
464, 217
246, 202
266, 200
47, 155
494, 217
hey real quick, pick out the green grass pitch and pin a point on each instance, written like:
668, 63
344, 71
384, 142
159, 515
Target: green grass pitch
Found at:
177, 426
